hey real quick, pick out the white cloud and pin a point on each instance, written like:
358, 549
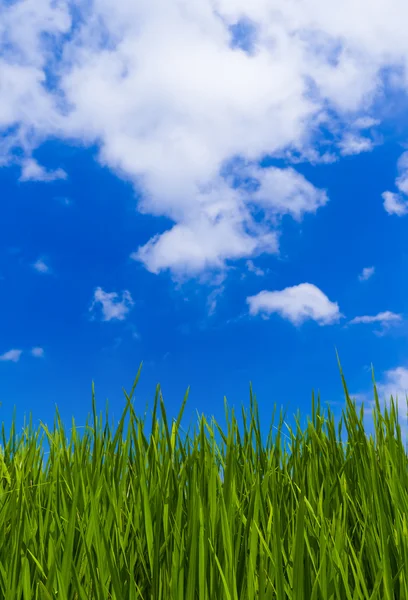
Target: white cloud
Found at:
212, 299
284, 191
402, 180
355, 144
113, 308
394, 204
383, 318
32, 171
397, 203
366, 273
41, 266
203, 243
220, 226
169, 119
394, 383
366, 122
37, 352
297, 304
11, 356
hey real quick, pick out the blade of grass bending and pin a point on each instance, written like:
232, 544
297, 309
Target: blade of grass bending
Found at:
67, 558
113, 571
227, 593
298, 574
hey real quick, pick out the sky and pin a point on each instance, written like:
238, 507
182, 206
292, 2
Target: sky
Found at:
217, 189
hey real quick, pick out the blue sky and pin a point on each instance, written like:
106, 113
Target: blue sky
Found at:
229, 214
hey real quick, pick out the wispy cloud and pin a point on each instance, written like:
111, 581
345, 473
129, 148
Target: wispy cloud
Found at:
135, 333
11, 356
393, 382
387, 319
297, 304
366, 122
252, 268
37, 352
113, 308
64, 200
355, 144
366, 273
382, 317
397, 203
41, 266
31, 170
213, 298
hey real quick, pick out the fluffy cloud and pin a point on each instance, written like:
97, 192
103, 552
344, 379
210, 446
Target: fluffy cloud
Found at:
203, 243
113, 308
257, 80
32, 171
297, 304
383, 318
11, 356
284, 191
355, 144
366, 273
394, 204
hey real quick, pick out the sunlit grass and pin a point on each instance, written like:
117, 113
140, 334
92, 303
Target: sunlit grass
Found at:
217, 514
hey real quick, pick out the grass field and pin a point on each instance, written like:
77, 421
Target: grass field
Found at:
212, 515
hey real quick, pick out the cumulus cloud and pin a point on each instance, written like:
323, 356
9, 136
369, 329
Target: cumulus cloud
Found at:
366, 273
297, 304
257, 80
284, 191
11, 356
203, 243
394, 204
113, 308
32, 171
382, 317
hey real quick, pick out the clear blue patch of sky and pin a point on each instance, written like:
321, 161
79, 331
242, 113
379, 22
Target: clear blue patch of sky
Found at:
243, 35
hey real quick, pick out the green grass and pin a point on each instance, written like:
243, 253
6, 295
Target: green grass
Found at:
218, 514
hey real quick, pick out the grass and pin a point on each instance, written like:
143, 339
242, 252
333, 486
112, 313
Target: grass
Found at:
210, 516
